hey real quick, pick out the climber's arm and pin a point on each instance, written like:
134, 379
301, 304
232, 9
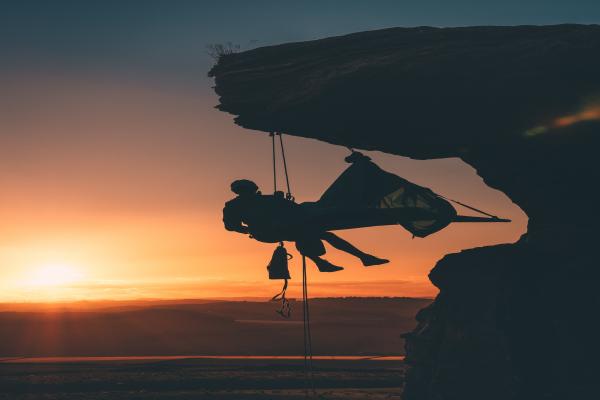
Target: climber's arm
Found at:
233, 220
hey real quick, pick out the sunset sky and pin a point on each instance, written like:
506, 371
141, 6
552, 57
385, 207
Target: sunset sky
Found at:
114, 165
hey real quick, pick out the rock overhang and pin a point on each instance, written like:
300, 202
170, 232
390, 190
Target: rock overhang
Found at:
421, 92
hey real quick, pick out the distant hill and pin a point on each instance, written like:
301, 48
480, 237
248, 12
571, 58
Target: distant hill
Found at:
340, 326
97, 305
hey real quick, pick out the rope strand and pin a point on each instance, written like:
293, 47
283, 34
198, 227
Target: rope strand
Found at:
308, 355
469, 207
272, 134
287, 179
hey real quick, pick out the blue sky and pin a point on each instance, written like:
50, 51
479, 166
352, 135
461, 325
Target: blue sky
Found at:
163, 37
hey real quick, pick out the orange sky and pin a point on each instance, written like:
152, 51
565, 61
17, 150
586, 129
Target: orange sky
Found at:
119, 187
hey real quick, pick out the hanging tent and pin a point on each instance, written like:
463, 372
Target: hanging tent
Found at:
365, 195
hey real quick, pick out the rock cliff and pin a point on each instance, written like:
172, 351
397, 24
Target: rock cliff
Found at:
521, 105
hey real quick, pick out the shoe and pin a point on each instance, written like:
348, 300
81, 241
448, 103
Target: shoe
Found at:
370, 260
326, 266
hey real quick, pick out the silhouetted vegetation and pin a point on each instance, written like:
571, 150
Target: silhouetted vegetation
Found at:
218, 50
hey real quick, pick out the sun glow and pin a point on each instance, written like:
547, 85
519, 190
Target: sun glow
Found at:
52, 275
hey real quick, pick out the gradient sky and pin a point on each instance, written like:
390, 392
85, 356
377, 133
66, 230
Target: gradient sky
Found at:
114, 165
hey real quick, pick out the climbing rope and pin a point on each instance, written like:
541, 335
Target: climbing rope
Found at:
288, 195
272, 134
285, 310
308, 354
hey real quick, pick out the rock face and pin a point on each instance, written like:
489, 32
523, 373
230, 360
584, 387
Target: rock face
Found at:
521, 105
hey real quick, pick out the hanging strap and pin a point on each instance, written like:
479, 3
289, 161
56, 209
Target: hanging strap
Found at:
285, 310
281, 294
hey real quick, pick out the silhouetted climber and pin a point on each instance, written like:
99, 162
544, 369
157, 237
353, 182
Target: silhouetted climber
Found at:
363, 196
273, 218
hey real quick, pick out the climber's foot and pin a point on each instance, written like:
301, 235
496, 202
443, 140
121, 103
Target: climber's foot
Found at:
326, 266
369, 260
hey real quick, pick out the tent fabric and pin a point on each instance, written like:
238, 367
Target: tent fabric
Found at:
366, 185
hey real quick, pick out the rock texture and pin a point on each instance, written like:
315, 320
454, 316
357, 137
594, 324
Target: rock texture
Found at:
521, 105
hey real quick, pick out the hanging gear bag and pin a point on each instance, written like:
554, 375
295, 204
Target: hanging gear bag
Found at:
278, 267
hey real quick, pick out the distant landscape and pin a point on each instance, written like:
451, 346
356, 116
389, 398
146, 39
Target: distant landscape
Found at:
340, 326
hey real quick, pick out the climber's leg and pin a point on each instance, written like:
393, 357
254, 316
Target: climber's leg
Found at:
313, 248
341, 244
323, 265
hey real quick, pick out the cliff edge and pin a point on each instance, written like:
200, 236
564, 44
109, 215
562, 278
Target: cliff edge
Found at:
522, 106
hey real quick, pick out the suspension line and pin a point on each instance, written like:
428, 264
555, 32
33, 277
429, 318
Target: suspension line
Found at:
272, 134
287, 179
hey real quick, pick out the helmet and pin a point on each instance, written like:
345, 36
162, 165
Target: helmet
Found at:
243, 186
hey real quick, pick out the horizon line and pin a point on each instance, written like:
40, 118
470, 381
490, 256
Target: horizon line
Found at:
219, 298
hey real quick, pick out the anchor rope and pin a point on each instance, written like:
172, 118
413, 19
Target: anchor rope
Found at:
492, 216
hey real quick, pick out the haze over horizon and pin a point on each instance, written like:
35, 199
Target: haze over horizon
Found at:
114, 165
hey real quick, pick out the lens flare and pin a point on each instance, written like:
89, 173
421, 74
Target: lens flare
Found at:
589, 113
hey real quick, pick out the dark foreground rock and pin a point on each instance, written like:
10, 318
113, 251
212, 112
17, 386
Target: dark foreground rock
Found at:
520, 105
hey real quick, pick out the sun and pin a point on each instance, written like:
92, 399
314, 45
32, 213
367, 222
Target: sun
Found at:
55, 275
